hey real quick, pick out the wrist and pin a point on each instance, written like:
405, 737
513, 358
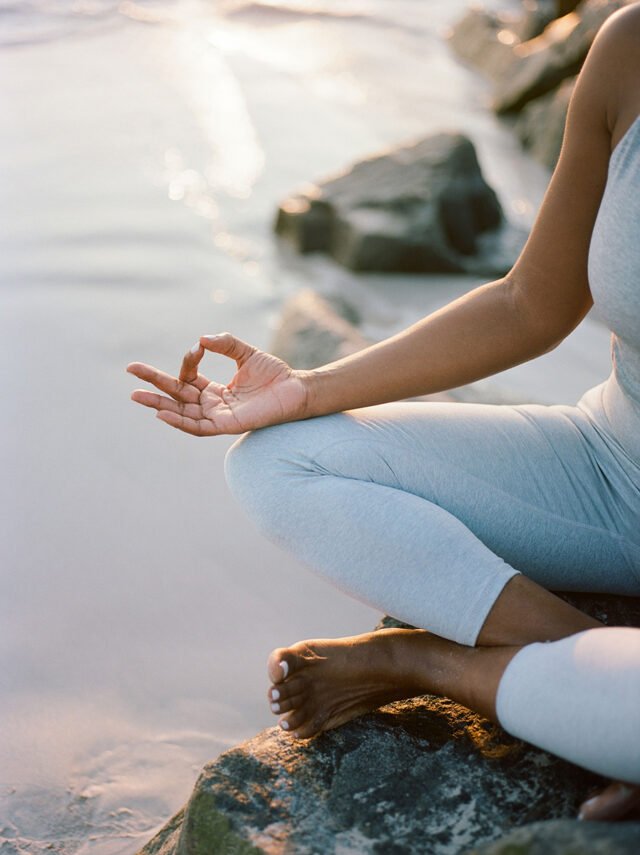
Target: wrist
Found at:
309, 382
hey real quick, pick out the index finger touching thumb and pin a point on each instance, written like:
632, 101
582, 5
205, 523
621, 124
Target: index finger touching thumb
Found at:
228, 345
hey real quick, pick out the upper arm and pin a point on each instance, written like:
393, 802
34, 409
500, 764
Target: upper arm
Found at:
549, 280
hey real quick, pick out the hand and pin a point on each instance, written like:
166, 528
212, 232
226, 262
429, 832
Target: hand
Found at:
264, 391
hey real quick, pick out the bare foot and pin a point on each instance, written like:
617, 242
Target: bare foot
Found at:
323, 683
617, 801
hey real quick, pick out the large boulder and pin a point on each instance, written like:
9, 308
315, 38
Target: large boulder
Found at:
541, 124
420, 208
422, 776
541, 64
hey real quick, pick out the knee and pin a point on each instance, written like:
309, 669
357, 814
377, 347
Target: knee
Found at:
248, 464
268, 470
258, 469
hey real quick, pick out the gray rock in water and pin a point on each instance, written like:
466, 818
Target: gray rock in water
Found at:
567, 837
313, 331
420, 208
543, 63
541, 124
423, 776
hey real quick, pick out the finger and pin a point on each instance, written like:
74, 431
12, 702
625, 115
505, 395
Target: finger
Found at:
190, 362
159, 402
165, 382
228, 345
196, 427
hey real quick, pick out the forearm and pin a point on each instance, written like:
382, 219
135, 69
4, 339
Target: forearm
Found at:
480, 334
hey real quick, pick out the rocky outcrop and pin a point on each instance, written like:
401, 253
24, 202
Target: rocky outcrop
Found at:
420, 208
533, 58
314, 331
543, 63
423, 776
566, 837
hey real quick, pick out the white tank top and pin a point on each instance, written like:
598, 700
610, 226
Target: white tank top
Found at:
614, 277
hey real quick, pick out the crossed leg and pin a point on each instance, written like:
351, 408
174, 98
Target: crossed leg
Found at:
415, 510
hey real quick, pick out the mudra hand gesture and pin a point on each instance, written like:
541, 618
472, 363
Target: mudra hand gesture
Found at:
264, 390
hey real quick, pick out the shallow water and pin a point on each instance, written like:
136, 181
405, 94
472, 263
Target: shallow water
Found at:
145, 147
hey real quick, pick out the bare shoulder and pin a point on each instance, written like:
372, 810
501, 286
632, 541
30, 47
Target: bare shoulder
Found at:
611, 75
551, 275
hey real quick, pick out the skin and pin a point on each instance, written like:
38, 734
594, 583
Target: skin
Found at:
322, 683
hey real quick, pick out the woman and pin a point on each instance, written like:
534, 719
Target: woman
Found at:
461, 518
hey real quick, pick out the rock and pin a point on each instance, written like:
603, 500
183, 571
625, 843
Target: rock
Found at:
485, 40
536, 15
421, 208
561, 837
422, 776
542, 63
313, 332
541, 124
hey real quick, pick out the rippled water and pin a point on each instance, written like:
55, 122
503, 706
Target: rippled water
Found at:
145, 146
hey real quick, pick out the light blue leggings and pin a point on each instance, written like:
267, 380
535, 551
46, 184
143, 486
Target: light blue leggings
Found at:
426, 510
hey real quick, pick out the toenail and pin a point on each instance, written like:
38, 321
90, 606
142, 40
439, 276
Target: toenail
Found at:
285, 668
275, 695
275, 707
284, 725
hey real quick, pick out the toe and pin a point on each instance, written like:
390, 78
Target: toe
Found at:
307, 729
282, 663
618, 800
284, 691
293, 720
295, 702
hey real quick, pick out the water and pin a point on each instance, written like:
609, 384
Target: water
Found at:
145, 146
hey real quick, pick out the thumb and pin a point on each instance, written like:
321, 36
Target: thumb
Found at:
228, 345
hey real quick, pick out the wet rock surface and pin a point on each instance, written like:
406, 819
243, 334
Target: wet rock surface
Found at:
419, 208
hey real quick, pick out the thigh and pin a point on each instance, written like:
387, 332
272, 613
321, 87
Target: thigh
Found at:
525, 480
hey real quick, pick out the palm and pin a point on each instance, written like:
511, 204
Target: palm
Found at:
264, 391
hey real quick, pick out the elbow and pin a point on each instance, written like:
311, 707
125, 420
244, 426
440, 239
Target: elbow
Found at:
544, 316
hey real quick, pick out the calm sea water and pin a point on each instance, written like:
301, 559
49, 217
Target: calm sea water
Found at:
145, 146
